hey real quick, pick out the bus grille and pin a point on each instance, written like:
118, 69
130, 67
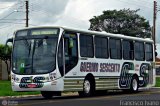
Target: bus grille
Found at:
27, 81
30, 80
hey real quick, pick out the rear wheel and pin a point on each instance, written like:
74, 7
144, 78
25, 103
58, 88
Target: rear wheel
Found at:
134, 84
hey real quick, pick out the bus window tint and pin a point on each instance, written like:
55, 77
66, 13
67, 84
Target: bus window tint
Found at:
128, 50
101, 47
115, 48
139, 51
86, 46
148, 52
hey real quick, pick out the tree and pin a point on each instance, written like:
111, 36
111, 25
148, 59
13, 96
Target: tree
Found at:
124, 21
5, 56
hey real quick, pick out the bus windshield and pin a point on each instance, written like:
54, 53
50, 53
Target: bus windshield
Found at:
34, 55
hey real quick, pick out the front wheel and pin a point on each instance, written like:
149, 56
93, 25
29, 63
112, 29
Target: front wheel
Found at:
47, 94
88, 88
134, 84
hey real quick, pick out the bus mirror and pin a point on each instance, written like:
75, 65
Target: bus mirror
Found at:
70, 43
156, 54
6, 49
9, 40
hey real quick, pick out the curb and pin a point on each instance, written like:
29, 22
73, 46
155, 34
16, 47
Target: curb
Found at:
23, 96
155, 87
10, 97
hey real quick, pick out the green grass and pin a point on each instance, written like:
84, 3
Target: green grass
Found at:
5, 90
157, 82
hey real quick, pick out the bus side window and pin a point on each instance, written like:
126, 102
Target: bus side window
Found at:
128, 50
139, 51
115, 48
86, 46
149, 52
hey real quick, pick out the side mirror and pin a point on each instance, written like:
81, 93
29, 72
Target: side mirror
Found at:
7, 48
9, 40
156, 54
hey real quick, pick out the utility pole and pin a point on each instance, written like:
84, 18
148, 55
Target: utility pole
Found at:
154, 23
27, 11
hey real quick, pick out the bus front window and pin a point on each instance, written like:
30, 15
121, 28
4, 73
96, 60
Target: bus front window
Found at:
34, 56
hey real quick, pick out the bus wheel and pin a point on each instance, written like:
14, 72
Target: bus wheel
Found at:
134, 84
47, 94
88, 88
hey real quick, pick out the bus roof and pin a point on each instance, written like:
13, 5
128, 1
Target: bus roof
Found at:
94, 33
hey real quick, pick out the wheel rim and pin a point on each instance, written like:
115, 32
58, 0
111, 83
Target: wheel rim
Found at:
87, 86
134, 84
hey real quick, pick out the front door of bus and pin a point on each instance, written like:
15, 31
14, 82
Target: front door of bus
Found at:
70, 51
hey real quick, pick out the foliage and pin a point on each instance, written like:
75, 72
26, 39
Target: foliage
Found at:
157, 82
124, 21
6, 55
3, 54
5, 90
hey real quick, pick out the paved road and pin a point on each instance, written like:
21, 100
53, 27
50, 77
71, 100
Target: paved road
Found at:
142, 98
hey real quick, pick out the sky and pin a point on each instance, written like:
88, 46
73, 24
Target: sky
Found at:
70, 13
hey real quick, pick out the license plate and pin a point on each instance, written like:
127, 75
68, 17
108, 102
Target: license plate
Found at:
31, 85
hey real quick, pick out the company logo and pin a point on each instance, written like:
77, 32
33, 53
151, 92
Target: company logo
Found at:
4, 102
9, 103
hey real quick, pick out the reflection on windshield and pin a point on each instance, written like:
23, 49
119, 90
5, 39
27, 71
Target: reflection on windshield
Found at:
34, 56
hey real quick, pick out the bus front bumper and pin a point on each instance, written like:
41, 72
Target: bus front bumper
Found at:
46, 86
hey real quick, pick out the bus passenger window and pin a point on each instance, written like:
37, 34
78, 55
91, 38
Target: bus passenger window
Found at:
139, 51
86, 46
115, 48
128, 50
101, 47
149, 52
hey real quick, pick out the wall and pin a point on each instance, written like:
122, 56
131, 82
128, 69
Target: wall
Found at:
3, 71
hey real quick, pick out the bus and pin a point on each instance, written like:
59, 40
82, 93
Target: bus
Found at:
54, 59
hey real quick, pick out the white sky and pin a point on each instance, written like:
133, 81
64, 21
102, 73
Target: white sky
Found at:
71, 13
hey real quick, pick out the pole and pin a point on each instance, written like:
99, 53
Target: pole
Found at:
27, 11
154, 23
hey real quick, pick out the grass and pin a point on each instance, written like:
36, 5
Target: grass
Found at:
6, 90
157, 82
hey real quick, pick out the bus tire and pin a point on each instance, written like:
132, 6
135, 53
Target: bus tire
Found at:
47, 94
134, 84
88, 88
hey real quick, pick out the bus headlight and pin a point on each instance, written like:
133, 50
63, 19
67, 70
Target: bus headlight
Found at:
52, 76
14, 78
47, 79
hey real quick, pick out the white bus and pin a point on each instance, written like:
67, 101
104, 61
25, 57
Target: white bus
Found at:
56, 59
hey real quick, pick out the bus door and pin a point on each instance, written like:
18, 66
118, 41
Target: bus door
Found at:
70, 51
